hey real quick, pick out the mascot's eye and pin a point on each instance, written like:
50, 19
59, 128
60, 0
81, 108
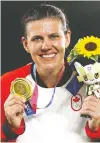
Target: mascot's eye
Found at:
96, 75
85, 77
89, 68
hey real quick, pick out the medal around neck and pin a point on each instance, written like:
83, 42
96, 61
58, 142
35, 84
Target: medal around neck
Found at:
22, 87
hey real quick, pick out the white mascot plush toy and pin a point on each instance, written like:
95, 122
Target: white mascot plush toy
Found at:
90, 75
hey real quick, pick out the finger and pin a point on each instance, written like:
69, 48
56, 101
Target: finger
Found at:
94, 115
90, 98
13, 110
89, 107
15, 97
13, 102
86, 112
89, 103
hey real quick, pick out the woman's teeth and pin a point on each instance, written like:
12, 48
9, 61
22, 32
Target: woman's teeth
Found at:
48, 56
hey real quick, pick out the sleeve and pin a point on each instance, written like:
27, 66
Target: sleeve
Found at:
92, 134
8, 134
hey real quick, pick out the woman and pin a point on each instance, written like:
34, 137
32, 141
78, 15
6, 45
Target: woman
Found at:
46, 36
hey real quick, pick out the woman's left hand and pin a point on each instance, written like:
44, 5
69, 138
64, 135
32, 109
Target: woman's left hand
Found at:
91, 107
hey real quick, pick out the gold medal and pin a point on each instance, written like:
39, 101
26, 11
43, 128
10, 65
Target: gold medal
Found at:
22, 87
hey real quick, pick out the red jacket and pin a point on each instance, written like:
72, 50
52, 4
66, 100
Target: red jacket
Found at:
9, 134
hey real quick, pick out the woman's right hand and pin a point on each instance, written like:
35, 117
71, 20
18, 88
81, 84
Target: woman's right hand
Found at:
14, 108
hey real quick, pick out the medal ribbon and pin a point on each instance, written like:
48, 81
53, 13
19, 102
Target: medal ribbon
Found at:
34, 97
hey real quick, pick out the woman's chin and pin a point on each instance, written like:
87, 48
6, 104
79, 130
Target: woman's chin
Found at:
49, 67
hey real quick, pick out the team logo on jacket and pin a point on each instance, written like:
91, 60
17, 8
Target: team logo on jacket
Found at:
76, 102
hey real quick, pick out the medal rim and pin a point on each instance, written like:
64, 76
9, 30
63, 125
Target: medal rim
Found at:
23, 80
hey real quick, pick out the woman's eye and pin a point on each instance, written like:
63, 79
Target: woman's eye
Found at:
54, 36
36, 39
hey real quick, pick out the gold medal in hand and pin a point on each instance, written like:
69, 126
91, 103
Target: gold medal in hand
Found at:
21, 87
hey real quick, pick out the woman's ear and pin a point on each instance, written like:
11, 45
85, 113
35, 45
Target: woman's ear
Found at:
25, 44
68, 37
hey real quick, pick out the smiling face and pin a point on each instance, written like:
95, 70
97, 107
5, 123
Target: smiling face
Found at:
46, 43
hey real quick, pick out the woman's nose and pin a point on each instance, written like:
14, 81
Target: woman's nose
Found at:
46, 44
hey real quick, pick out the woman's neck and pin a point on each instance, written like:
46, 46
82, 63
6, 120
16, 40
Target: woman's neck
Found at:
49, 78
